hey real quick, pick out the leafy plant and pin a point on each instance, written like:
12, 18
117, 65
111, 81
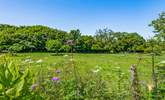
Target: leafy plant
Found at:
14, 82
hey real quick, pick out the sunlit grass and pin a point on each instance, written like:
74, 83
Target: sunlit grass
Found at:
87, 62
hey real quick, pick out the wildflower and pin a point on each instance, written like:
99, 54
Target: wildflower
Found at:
133, 72
58, 71
96, 71
65, 55
55, 79
150, 87
28, 60
39, 61
135, 83
34, 86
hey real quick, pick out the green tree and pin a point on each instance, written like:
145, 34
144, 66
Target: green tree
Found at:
53, 45
85, 43
74, 35
114, 42
159, 28
159, 24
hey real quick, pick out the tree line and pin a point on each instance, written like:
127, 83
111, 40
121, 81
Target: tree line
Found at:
38, 38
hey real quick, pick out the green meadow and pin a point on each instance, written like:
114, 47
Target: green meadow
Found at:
77, 76
88, 62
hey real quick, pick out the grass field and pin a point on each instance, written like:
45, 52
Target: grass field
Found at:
88, 62
98, 75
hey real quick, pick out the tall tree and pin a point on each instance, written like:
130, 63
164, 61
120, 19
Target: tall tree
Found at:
159, 25
159, 28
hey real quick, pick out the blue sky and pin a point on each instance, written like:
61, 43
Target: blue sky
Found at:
86, 15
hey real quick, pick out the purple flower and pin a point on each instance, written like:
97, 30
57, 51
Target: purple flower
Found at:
34, 86
58, 71
55, 79
133, 71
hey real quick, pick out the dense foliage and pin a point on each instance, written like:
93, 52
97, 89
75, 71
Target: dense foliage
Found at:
42, 38
159, 28
28, 38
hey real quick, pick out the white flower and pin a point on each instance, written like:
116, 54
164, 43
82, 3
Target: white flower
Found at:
96, 71
65, 55
28, 60
150, 87
39, 61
